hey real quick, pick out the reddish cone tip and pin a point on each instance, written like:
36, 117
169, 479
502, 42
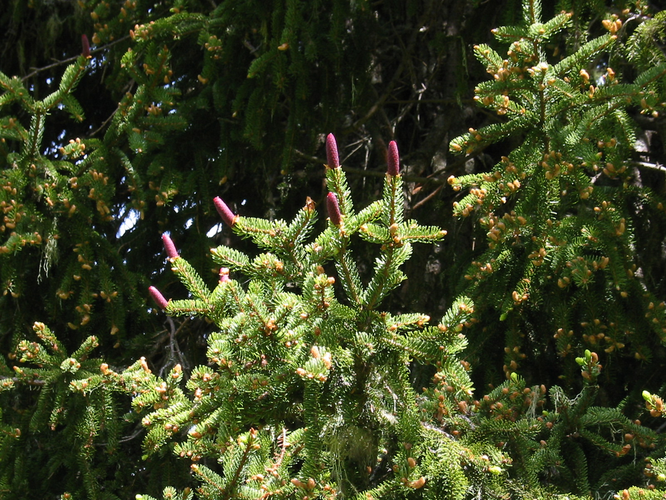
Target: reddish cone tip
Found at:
333, 209
228, 217
169, 246
85, 46
224, 274
393, 159
158, 297
332, 158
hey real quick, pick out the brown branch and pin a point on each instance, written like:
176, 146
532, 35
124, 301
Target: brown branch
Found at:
70, 59
379, 103
104, 123
428, 198
429, 101
231, 487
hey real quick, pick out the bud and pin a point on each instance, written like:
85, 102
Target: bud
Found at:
158, 297
393, 159
169, 246
85, 52
224, 274
418, 483
333, 209
332, 159
309, 205
228, 217
298, 483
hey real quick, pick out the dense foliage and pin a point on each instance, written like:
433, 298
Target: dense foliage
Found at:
309, 367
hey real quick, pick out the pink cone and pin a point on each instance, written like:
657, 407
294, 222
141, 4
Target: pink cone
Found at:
333, 209
332, 158
169, 246
158, 297
228, 217
393, 159
85, 45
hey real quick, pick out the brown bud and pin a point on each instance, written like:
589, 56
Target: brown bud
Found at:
418, 483
298, 483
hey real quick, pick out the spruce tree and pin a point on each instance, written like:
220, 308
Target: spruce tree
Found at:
303, 365
307, 391
560, 282
561, 211
178, 102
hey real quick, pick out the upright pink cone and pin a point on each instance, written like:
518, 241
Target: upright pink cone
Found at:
333, 209
158, 297
228, 217
85, 46
169, 246
393, 159
332, 158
